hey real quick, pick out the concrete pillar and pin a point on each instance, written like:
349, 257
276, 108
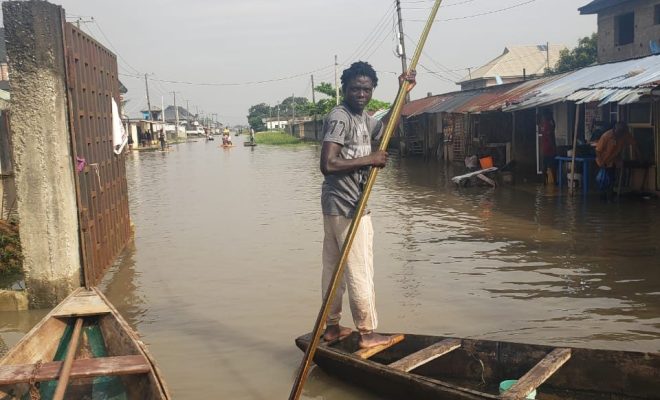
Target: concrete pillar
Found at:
43, 167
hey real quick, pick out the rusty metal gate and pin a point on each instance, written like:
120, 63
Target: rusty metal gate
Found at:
101, 187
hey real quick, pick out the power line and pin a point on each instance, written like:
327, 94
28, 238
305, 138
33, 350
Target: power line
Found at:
234, 83
377, 47
477, 15
430, 6
441, 6
447, 70
436, 74
373, 36
113, 47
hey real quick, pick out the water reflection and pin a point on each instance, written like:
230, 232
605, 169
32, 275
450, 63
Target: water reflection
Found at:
226, 265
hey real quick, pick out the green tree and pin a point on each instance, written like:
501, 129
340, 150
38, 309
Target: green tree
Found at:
377, 105
256, 114
585, 54
301, 105
324, 106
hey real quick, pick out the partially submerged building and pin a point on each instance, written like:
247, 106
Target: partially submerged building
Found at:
501, 120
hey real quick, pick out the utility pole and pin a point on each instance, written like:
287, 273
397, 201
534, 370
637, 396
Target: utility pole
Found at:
402, 53
293, 111
162, 115
316, 135
278, 116
176, 116
187, 109
151, 124
547, 55
336, 82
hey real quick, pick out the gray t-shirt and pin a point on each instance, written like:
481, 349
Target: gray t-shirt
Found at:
341, 192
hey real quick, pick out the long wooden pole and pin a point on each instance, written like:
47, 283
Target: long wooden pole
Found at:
63, 380
352, 230
575, 135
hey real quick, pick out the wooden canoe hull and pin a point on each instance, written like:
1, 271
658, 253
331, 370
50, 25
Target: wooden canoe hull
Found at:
126, 356
474, 370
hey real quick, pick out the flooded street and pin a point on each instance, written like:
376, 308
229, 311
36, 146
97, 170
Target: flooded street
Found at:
225, 269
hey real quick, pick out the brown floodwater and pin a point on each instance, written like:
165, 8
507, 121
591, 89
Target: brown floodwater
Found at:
225, 270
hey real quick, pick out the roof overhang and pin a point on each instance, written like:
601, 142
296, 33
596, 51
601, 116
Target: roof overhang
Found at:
598, 5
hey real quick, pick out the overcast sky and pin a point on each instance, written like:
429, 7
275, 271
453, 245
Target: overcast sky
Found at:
240, 41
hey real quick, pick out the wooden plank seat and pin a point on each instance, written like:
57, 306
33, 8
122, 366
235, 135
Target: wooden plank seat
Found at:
82, 368
83, 304
538, 374
366, 353
425, 355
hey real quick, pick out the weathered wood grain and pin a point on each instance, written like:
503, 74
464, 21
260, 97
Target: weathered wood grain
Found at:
425, 355
366, 353
538, 374
85, 368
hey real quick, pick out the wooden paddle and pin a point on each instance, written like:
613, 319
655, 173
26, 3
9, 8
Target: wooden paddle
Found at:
389, 130
575, 135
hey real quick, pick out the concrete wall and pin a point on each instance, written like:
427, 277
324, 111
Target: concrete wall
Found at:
645, 30
306, 130
43, 166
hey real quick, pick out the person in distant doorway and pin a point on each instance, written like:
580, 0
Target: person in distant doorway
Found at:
609, 150
346, 159
546, 126
161, 138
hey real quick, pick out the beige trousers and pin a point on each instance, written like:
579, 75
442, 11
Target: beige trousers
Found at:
358, 274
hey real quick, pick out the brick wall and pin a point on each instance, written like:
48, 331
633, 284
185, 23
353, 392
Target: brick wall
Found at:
645, 30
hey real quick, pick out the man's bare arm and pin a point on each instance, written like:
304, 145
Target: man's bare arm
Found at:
333, 163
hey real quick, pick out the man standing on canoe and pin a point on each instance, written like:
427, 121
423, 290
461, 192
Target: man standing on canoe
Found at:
346, 158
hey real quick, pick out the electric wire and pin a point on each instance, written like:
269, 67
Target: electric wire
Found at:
232, 83
374, 35
113, 47
442, 67
479, 14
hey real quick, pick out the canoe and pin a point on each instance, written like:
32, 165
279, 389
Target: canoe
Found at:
226, 146
435, 367
248, 144
110, 361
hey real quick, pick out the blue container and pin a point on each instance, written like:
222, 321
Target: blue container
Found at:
506, 385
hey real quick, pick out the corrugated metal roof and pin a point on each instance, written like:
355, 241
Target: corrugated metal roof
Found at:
418, 106
452, 101
380, 113
491, 98
533, 59
497, 97
624, 81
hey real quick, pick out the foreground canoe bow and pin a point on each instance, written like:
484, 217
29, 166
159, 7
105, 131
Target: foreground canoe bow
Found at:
434, 367
110, 361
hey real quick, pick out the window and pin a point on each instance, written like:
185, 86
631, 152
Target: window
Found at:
656, 18
624, 29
